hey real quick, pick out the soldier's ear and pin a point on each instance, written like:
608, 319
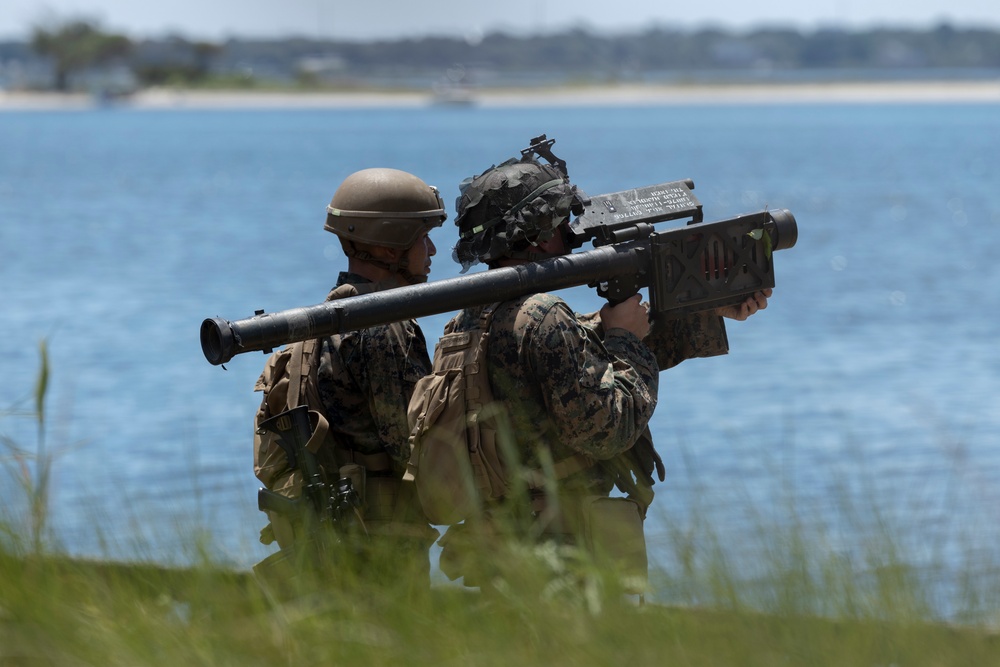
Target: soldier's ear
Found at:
383, 253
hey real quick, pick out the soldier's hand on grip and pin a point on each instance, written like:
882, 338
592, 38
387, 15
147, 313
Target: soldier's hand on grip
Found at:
741, 311
631, 315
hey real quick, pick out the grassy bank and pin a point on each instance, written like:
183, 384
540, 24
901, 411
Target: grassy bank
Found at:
802, 603
58, 611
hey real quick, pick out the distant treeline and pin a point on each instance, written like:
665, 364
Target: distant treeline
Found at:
655, 50
500, 57
660, 49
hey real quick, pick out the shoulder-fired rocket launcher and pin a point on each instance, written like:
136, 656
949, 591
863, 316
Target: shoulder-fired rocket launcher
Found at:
698, 266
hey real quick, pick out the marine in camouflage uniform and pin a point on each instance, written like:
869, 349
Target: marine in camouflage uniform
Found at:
365, 378
365, 381
568, 385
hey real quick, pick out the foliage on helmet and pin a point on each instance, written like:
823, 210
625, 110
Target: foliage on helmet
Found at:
511, 207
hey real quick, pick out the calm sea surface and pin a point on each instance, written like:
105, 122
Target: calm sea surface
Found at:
864, 396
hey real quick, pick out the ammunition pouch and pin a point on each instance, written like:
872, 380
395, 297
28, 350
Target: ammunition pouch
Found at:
611, 530
278, 570
381, 498
384, 498
390, 508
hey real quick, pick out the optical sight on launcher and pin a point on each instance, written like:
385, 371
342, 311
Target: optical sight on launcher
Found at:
699, 266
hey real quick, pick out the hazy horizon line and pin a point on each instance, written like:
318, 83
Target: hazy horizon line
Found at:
475, 35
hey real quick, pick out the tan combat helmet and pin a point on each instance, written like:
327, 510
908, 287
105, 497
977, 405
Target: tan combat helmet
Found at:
384, 207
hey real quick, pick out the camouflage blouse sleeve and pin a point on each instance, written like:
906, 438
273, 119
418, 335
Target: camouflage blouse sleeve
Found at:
393, 361
697, 335
599, 394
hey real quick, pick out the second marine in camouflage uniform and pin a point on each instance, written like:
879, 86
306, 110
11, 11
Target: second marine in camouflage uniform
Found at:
569, 384
365, 378
365, 381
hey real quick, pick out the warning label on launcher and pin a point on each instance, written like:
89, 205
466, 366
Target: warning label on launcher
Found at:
650, 202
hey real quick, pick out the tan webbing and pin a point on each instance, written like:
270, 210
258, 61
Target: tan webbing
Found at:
300, 367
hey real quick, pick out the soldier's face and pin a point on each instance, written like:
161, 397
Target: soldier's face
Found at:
559, 243
418, 257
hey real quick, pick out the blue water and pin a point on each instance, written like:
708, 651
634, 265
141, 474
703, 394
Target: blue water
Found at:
864, 395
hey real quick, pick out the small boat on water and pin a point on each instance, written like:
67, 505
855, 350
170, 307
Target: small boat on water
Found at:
452, 96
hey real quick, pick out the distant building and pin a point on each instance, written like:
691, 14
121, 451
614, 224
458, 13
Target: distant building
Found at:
22, 69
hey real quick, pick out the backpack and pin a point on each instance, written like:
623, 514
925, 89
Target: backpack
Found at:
456, 439
288, 381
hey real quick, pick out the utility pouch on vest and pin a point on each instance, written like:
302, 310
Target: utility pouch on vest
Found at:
381, 494
448, 461
613, 533
275, 571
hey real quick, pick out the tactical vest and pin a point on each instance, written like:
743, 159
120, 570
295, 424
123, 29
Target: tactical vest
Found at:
457, 459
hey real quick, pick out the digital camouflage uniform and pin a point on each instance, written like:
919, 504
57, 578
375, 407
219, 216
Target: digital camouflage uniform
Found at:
357, 387
580, 395
564, 388
365, 380
570, 387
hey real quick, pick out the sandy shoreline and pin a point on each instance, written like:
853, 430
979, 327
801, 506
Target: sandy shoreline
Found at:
632, 95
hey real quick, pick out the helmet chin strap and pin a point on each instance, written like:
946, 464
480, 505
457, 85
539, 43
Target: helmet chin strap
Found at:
403, 269
539, 250
400, 267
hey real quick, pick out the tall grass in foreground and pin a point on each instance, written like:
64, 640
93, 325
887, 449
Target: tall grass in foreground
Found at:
31, 467
848, 556
799, 602
59, 611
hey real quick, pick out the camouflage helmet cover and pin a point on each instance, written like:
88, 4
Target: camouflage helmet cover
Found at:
510, 207
384, 207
